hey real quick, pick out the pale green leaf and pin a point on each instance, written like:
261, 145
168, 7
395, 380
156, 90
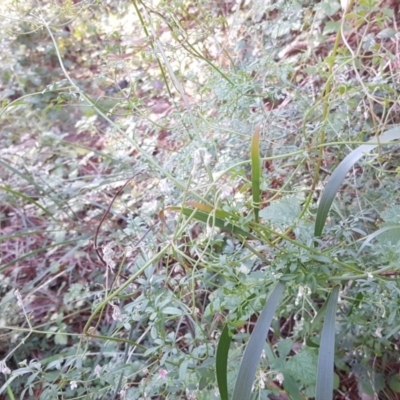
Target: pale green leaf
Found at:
387, 33
282, 212
172, 311
392, 214
60, 338
303, 366
284, 347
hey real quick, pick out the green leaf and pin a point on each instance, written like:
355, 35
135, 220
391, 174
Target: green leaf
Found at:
284, 347
319, 317
256, 172
291, 387
60, 338
329, 8
222, 362
303, 366
172, 311
324, 389
8, 383
251, 356
340, 173
392, 214
212, 218
356, 303
392, 234
386, 33
10, 393
282, 212
311, 344
394, 383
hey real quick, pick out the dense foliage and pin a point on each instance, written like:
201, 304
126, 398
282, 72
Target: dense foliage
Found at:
173, 172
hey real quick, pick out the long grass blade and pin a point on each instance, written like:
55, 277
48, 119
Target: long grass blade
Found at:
28, 199
373, 235
7, 384
324, 389
340, 173
216, 218
256, 172
25, 176
251, 356
40, 250
222, 362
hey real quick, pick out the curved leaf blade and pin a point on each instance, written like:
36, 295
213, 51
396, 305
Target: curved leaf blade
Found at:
251, 356
340, 173
222, 362
326, 357
373, 235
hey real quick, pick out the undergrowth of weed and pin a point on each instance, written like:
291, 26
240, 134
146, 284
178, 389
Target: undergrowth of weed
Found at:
199, 202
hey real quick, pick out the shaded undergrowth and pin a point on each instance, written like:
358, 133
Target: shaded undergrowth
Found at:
137, 221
